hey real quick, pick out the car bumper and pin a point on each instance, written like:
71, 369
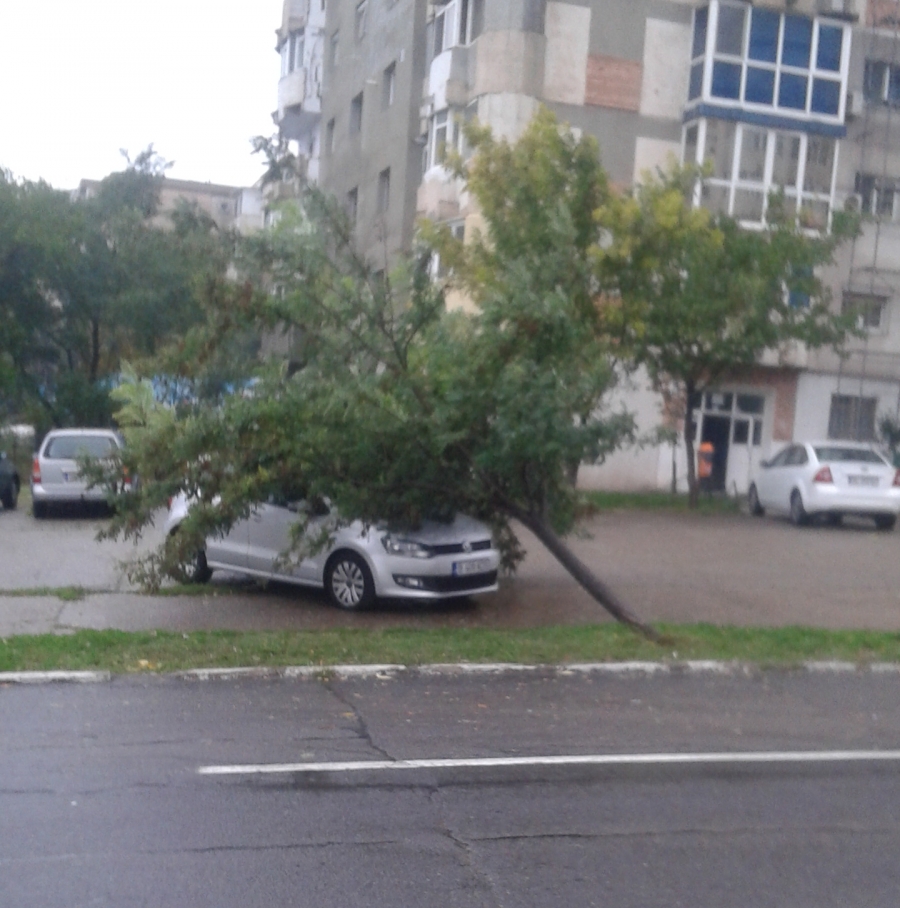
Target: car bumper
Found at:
825, 499
439, 578
68, 492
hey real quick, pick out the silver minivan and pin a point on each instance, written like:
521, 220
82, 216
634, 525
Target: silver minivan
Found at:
55, 476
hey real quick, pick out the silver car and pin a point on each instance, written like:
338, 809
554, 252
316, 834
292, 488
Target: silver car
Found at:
55, 475
359, 563
828, 479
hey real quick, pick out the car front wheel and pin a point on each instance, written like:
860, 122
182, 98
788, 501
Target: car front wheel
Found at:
348, 581
10, 496
756, 509
195, 570
799, 517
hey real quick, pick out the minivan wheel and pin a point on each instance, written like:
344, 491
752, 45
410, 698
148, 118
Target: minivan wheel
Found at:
799, 517
348, 581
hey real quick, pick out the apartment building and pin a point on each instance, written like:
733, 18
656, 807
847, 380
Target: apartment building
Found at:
798, 95
240, 208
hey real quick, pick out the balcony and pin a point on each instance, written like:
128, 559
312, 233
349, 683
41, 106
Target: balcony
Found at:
291, 90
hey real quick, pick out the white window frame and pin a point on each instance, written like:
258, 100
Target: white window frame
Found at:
796, 192
710, 55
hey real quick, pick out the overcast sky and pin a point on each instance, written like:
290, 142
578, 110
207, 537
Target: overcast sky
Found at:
81, 79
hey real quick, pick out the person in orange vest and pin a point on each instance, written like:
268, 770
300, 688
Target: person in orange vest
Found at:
705, 463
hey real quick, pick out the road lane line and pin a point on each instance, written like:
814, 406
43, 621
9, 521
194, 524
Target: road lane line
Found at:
648, 759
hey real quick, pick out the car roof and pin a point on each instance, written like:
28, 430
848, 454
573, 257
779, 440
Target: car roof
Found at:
83, 432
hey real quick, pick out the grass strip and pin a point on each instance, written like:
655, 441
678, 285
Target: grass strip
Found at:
595, 501
120, 652
65, 593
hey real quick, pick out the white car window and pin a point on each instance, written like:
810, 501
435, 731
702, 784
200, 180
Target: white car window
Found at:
843, 455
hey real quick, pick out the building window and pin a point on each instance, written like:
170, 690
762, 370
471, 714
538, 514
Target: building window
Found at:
879, 196
452, 25
755, 57
360, 21
329, 137
356, 112
747, 163
384, 189
292, 53
869, 309
852, 418
334, 46
881, 82
444, 135
352, 204
388, 85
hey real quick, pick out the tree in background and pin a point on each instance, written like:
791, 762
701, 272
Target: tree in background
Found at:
395, 408
85, 283
695, 298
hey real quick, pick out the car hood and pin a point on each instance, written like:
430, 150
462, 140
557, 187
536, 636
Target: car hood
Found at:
433, 532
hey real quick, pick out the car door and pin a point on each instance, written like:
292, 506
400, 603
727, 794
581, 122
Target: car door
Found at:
270, 528
229, 550
771, 479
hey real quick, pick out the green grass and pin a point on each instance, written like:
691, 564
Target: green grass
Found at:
121, 652
66, 593
596, 501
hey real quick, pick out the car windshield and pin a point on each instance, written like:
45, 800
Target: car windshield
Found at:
855, 455
71, 447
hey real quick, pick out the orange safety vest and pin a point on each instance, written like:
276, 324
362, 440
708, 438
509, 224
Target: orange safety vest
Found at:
705, 460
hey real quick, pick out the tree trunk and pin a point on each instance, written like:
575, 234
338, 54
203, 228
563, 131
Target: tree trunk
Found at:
583, 575
693, 484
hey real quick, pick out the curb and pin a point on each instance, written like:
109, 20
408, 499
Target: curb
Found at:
389, 671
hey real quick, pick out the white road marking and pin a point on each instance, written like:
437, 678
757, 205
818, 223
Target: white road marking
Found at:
648, 759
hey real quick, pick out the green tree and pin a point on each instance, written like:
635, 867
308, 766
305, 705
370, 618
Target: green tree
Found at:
85, 283
694, 298
401, 410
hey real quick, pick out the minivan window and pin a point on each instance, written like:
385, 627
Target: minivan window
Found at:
68, 447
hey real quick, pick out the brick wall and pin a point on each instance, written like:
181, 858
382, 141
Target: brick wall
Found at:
613, 82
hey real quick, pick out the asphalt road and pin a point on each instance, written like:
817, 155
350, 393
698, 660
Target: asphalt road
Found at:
102, 802
724, 569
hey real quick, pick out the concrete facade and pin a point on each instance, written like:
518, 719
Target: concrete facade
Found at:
797, 95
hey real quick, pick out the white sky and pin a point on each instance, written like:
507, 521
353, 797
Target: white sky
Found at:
81, 79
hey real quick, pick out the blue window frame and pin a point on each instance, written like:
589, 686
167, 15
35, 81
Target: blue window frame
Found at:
797, 41
764, 36
726, 80
701, 18
696, 83
792, 91
826, 96
776, 63
760, 88
828, 55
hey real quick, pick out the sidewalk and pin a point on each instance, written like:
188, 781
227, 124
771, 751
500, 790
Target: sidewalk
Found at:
667, 567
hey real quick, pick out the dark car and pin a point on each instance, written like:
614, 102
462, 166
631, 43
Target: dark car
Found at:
10, 483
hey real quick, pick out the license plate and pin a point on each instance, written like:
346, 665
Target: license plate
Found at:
478, 566
863, 480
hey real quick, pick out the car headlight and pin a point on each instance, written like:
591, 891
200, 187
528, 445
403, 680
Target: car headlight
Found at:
396, 545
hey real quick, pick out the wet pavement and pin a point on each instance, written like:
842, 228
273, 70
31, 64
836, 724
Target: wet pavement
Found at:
722, 569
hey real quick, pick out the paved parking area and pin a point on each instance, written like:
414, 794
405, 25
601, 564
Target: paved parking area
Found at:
723, 569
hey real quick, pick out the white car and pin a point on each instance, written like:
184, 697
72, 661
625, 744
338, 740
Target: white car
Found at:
55, 475
358, 564
828, 479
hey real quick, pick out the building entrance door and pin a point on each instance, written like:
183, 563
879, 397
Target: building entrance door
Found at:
733, 423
